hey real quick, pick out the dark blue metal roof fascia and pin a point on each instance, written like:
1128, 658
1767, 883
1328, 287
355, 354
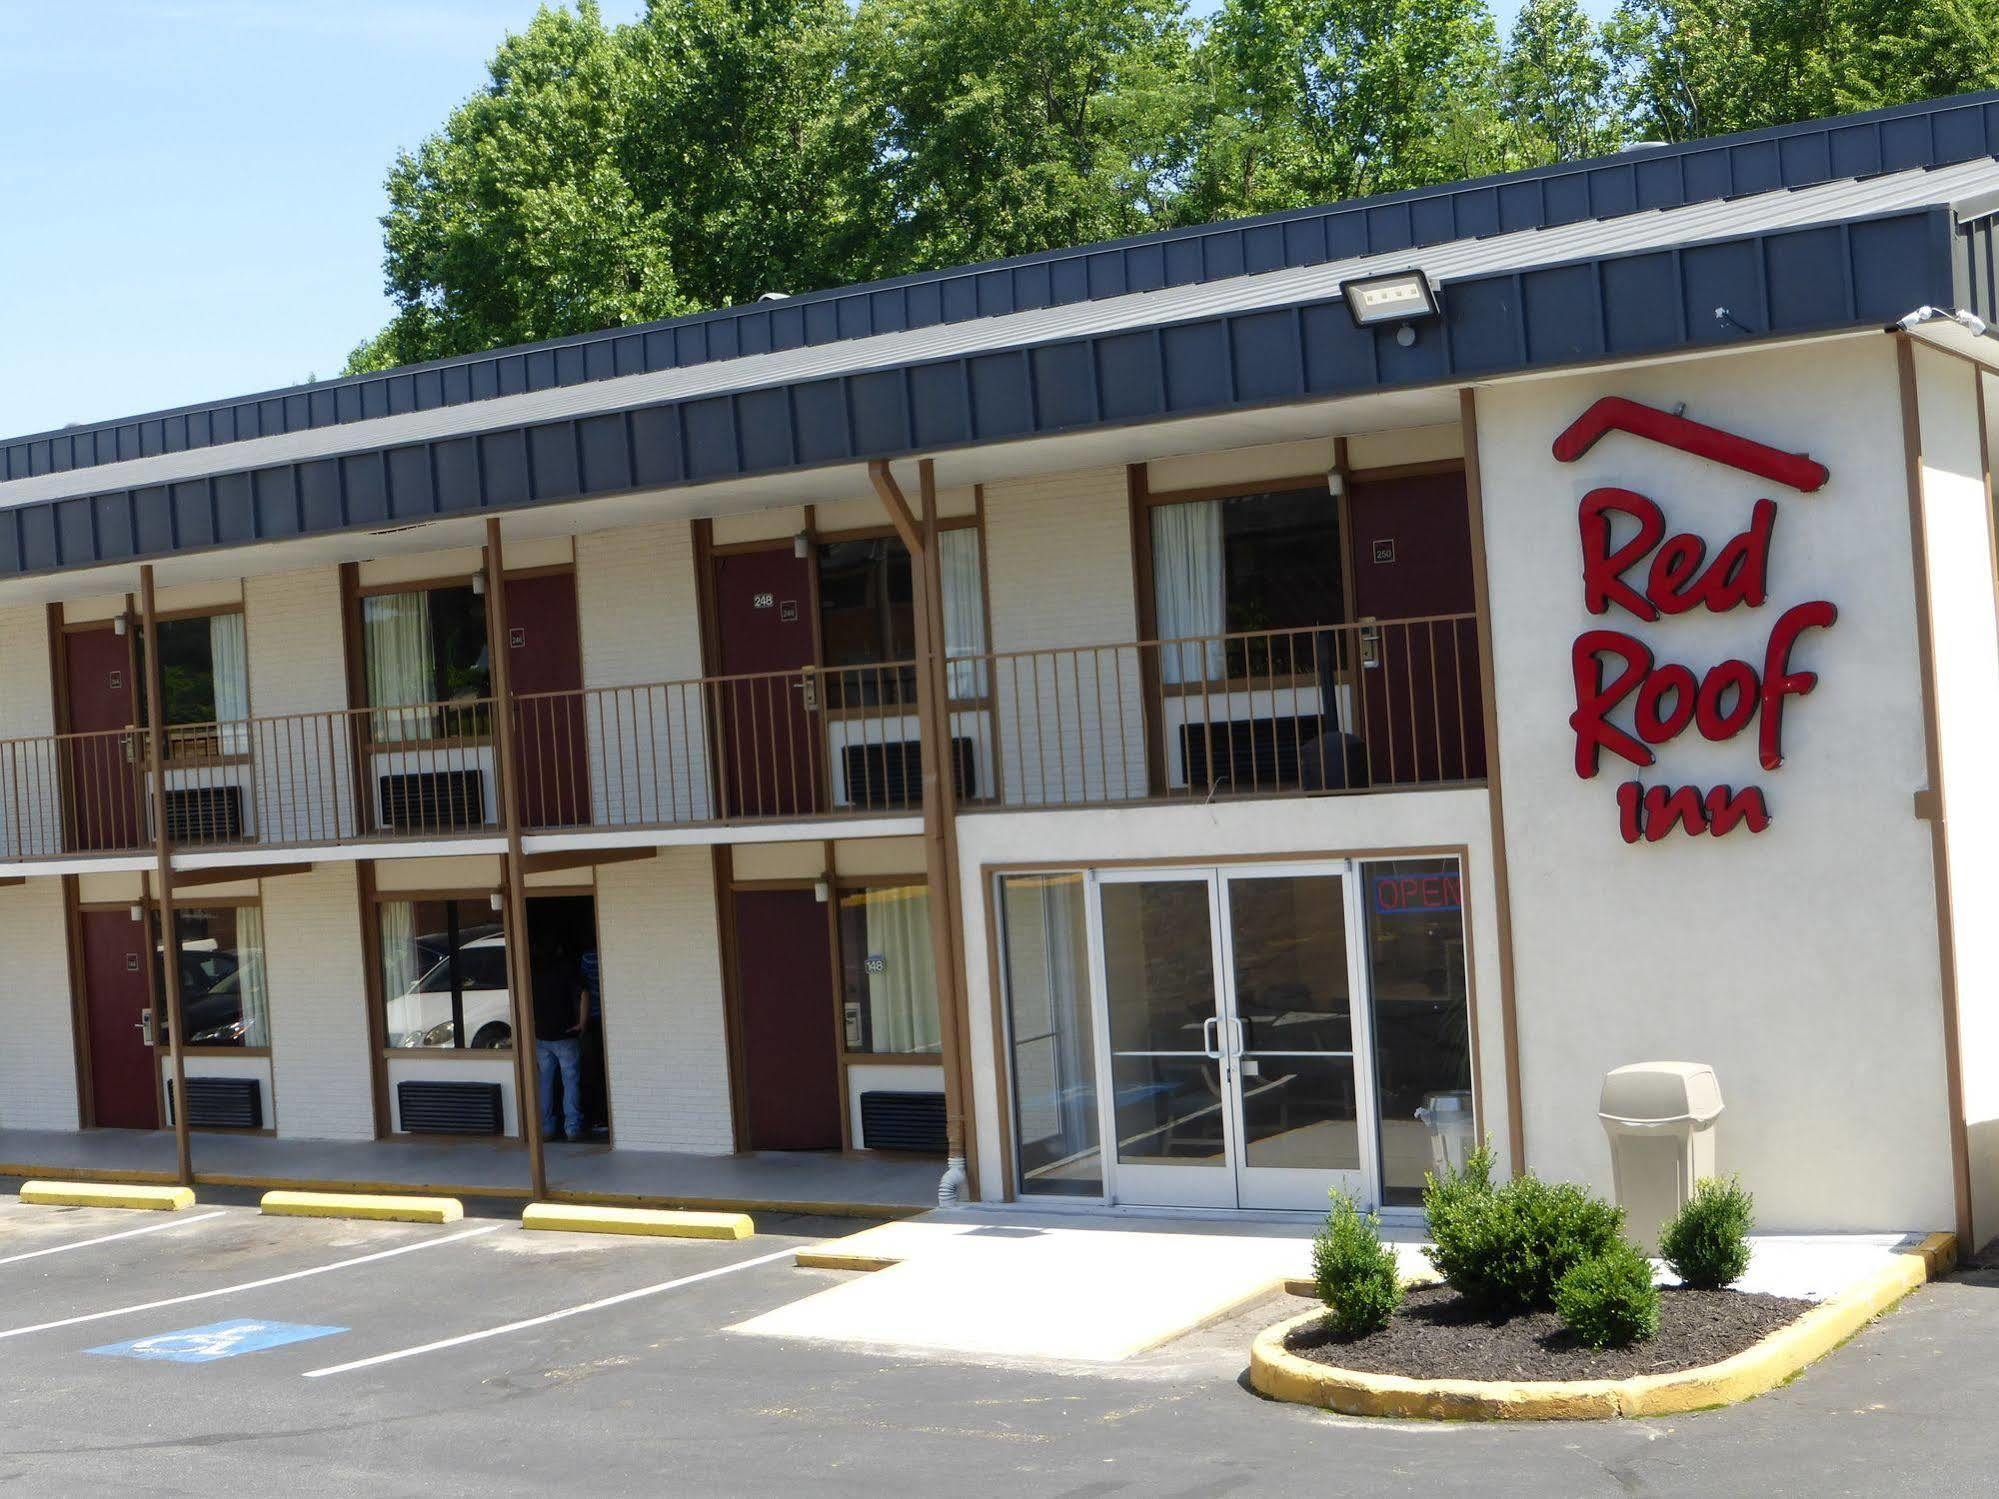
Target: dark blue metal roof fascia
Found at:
1856, 273
1976, 261
1931, 133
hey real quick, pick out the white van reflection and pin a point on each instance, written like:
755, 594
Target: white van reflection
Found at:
422, 1015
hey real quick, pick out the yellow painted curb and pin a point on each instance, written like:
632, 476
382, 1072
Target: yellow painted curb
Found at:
575, 1219
828, 1259
363, 1205
1278, 1373
94, 1194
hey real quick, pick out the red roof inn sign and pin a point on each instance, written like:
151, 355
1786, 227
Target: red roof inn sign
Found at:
1653, 575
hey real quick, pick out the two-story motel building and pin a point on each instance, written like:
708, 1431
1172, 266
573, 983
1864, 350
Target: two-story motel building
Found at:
1166, 724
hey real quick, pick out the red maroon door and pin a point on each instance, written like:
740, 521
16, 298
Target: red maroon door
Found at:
785, 980
101, 794
769, 716
1420, 708
545, 655
124, 1092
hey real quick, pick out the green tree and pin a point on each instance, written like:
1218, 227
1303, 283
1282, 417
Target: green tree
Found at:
1559, 83
1708, 67
998, 127
515, 221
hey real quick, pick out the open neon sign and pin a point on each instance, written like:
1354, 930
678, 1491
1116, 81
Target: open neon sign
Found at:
1654, 575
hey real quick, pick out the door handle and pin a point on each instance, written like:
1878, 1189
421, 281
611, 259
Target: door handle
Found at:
808, 685
1211, 1040
1239, 1029
144, 1026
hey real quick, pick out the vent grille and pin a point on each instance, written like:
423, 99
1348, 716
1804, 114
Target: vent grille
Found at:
428, 1108
222, 1102
891, 775
903, 1121
205, 814
1256, 754
433, 800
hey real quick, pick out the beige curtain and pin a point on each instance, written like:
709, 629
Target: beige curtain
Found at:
250, 975
964, 611
402, 670
1187, 590
901, 973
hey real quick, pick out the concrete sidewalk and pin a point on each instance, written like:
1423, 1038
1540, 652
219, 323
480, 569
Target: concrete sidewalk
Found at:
1099, 1288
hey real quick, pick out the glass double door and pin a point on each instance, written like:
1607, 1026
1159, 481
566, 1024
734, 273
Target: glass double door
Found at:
1235, 1031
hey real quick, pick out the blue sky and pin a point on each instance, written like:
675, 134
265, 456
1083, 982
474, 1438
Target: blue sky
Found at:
192, 186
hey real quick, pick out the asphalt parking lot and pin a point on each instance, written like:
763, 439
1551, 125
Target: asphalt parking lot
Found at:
217, 1350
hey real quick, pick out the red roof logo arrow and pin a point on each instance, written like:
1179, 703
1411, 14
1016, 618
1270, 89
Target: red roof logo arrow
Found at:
1616, 414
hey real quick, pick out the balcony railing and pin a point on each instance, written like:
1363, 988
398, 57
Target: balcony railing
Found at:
1354, 708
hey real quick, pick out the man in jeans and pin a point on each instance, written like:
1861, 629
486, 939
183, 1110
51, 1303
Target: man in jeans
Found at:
561, 1010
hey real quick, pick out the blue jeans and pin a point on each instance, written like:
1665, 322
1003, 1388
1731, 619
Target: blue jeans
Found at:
568, 1055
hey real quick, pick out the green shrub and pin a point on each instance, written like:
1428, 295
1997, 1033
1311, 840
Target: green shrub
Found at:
1707, 1243
1505, 1248
1609, 1300
1356, 1273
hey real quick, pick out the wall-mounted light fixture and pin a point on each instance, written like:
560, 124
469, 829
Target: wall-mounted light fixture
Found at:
799, 545
822, 890
119, 625
1336, 483
496, 900
1399, 297
138, 913
479, 584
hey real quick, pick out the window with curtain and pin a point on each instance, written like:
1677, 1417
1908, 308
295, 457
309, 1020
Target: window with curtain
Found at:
890, 976
427, 665
1267, 561
867, 607
204, 684
444, 974
223, 998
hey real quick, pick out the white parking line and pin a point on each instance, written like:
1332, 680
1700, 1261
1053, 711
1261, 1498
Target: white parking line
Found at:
252, 1285
130, 1233
546, 1317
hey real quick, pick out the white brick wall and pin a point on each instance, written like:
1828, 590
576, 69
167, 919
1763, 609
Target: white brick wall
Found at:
1058, 565
303, 766
38, 1061
664, 1037
640, 618
29, 774
321, 1077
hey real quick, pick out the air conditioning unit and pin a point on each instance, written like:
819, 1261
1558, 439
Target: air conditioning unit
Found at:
433, 800
222, 1102
903, 1121
205, 814
438, 1108
882, 776
1266, 754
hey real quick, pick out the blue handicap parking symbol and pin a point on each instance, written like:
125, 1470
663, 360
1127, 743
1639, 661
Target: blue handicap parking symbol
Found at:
204, 1345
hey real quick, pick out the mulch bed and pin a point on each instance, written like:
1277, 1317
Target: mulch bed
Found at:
1435, 1335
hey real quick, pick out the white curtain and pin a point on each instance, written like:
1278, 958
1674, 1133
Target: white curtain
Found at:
401, 668
229, 668
250, 974
400, 968
964, 611
1187, 589
900, 971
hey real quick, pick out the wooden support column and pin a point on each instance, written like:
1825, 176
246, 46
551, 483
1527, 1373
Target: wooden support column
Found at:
940, 802
169, 938
513, 870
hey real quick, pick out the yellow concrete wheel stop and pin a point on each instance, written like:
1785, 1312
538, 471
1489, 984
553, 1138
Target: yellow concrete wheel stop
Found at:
363, 1205
655, 1222
108, 1195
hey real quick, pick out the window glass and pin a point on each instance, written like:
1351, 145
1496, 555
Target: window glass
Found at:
424, 647
1052, 1044
889, 975
223, 1001
1422, 1032
444, 974
867, 606
204, 683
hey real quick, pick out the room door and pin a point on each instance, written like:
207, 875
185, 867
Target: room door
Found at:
1420, 708
545, 663
1232, 1022
124, 1086
767, 701
100, 770
791, 1063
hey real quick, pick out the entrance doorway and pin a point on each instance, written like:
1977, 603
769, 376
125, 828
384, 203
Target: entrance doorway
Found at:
563, 929
545, 664
1249, 1036
124, 1080
768, 701
101, 798
791, 1058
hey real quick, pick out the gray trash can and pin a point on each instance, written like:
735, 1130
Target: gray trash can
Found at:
1453, 1135
1660, 1119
